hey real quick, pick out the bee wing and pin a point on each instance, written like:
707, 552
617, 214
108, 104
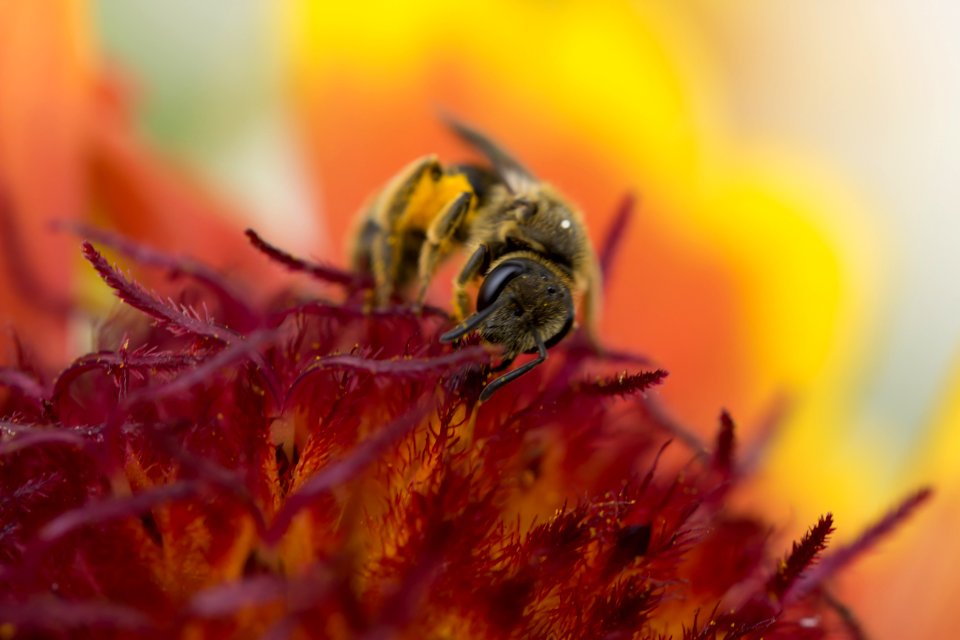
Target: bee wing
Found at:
517, 178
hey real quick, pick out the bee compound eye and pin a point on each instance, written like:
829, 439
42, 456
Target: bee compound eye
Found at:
495, 282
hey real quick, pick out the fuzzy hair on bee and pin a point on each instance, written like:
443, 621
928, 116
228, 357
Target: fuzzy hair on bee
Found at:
527, 245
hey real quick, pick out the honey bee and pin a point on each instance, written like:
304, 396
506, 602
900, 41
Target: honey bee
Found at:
527, 245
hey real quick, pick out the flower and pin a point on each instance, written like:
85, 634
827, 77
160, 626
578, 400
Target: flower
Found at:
329, 472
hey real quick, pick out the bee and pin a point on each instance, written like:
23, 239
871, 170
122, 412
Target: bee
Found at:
527, 246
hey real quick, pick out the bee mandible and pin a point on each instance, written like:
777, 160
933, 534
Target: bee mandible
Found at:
527, 245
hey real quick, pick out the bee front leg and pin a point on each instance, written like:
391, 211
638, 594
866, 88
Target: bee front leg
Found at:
440, 235
471, 270
591, 306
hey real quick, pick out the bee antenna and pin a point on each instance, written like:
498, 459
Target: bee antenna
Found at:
471, 322
519, 371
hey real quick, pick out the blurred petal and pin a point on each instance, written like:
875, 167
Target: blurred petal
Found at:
145, 197
68, 152
45, 63
923, 558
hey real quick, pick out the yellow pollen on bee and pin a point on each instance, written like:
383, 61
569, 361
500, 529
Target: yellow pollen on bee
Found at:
431, 196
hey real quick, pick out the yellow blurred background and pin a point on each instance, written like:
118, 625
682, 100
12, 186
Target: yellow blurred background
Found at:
796, 165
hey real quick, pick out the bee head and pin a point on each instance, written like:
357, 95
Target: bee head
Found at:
521, 302
527, 298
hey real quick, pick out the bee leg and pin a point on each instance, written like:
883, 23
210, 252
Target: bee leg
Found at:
363, 260
383, 266
516, 373
386, 250
591, 307
510, 230
367, 233
461, 301
439, 236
